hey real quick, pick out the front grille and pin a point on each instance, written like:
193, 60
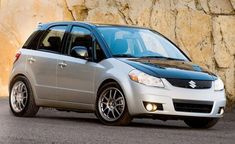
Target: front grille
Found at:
192, 84
193, 106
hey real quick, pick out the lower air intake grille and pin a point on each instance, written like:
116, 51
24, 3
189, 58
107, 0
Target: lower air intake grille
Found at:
193, 106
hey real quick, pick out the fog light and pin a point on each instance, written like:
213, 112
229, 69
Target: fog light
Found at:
154, 107
221, 111
149, 107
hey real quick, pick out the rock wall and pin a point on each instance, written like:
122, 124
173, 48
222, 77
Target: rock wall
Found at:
204, 29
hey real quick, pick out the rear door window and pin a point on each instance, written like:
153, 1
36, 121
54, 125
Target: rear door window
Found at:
52, 40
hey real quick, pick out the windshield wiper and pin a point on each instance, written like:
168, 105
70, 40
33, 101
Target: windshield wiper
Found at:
162, 57
124, 55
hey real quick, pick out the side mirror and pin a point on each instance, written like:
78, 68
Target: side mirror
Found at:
79, 52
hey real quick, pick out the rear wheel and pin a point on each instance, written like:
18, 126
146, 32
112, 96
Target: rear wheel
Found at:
21, 98
201, 123
111, 106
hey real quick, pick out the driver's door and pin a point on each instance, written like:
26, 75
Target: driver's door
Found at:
75, 76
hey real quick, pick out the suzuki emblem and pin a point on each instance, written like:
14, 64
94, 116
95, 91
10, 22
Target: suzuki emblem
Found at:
192, 84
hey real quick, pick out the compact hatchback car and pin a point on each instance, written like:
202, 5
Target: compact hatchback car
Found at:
117, 72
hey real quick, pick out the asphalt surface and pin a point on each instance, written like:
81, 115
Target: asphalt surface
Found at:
51, 126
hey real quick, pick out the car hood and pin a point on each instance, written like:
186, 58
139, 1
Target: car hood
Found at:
171, 69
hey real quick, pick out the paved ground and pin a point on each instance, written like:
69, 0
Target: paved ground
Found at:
51, 126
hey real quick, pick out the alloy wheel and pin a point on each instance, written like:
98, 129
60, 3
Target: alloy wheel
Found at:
19, 96
111, 104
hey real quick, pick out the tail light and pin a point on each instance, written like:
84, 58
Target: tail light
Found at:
17, 56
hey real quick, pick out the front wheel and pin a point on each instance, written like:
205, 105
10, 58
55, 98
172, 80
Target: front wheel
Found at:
111, 106
201, 123
21, 98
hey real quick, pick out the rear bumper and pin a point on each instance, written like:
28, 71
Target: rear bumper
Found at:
168, 97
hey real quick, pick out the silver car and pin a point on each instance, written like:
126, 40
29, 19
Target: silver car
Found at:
117, 72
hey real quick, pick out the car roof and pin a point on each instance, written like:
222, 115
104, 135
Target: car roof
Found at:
45, 25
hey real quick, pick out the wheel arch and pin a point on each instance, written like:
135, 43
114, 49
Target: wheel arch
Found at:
29, 81
106, 81
123, 85
13, 78
30, 108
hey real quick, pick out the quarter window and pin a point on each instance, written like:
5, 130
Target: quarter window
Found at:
99, 54
53, 39
30, 40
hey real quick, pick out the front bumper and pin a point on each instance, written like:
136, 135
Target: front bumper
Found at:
166, 96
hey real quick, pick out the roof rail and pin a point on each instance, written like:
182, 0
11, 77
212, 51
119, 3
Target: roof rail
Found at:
40, 25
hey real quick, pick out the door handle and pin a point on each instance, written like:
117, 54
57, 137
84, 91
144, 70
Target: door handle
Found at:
31, 60
62, 64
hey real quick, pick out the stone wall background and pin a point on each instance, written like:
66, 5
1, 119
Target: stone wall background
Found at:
204, 29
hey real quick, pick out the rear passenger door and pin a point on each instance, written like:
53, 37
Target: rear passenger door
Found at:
42, 62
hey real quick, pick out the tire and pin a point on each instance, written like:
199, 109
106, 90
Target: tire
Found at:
201, 123
21, 98
117, 117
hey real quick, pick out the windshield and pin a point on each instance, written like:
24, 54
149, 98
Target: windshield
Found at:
139, 43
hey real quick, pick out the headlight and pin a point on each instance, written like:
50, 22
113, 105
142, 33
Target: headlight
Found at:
219, 85
145, 79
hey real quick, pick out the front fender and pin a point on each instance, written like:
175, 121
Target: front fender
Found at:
118, 71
